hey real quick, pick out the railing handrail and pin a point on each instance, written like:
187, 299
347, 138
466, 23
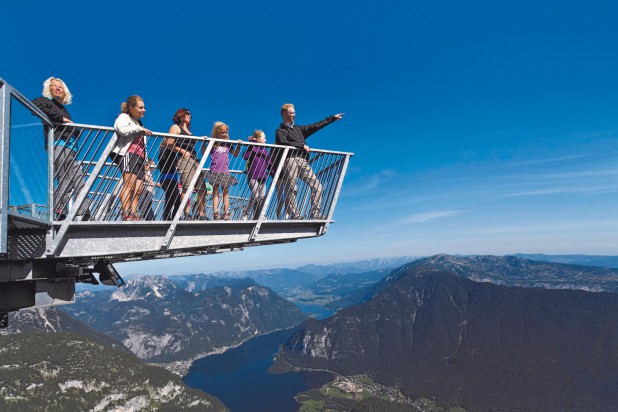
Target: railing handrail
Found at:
278, 206
26, 102
205, 137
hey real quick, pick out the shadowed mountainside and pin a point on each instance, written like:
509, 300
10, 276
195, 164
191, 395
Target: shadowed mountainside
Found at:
478, 345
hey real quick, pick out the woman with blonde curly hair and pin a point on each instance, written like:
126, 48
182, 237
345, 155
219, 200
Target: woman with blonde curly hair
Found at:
68, 172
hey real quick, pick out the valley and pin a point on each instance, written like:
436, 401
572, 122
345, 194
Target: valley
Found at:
395, 336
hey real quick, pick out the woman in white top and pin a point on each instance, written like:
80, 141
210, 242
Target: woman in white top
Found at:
130, 154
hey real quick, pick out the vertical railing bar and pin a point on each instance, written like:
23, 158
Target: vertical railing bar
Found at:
333, 171
141, 196
337, 191
305, 200
110, 187
83, 154
77, 151
328, 174
156, 194
237, 174
5, 129
93, 142
322, 160
51, 135
97, 192
269, 194
80, 198
283, 187
282, 210
198, 174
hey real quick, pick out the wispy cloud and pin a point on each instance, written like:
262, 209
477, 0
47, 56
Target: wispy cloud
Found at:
380, 178
556, 227
545, 161
579, 174
22, 183
563, 190
370, 183
20, 126
427, 216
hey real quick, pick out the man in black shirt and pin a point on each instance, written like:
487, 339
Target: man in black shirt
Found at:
296, 165
68, 171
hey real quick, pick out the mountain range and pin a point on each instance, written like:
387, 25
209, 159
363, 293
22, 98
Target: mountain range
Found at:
481, 344
154, 318
161, 322
55, 320
69, 372
360, 266
339, 290
482, 332
515, 271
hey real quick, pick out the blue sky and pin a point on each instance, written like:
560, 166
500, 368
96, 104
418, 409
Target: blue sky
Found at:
478, 127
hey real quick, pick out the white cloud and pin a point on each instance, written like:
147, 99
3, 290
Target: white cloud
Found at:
543, 161
582, 226
21, 182
427, 216
580, 174
564, 190
20, 126
369, 183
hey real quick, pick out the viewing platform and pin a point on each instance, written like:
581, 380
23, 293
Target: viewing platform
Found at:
46, 245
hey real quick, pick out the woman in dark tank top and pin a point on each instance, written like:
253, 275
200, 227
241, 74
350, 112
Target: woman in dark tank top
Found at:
188, 145
170, 180
186, 159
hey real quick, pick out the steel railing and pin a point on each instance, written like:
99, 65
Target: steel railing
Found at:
74, 178
159, 193
25, 168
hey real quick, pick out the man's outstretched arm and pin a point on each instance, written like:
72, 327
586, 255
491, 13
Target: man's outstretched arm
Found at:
312, 128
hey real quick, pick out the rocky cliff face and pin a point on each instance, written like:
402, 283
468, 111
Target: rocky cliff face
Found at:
54, 320
69, 372
475, 344
161, 322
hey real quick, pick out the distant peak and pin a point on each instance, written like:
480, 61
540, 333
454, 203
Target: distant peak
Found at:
145, 287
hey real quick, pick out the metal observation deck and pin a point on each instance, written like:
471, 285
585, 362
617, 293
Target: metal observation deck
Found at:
61, 226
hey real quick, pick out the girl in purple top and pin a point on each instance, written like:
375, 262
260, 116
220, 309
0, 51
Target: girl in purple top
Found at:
219, 175
259, 164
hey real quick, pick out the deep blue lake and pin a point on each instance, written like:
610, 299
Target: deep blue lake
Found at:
316, 311
239, 377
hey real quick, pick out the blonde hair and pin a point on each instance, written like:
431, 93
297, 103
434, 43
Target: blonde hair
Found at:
216, 129
68, 97
256, 135
285, 107
130, 102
